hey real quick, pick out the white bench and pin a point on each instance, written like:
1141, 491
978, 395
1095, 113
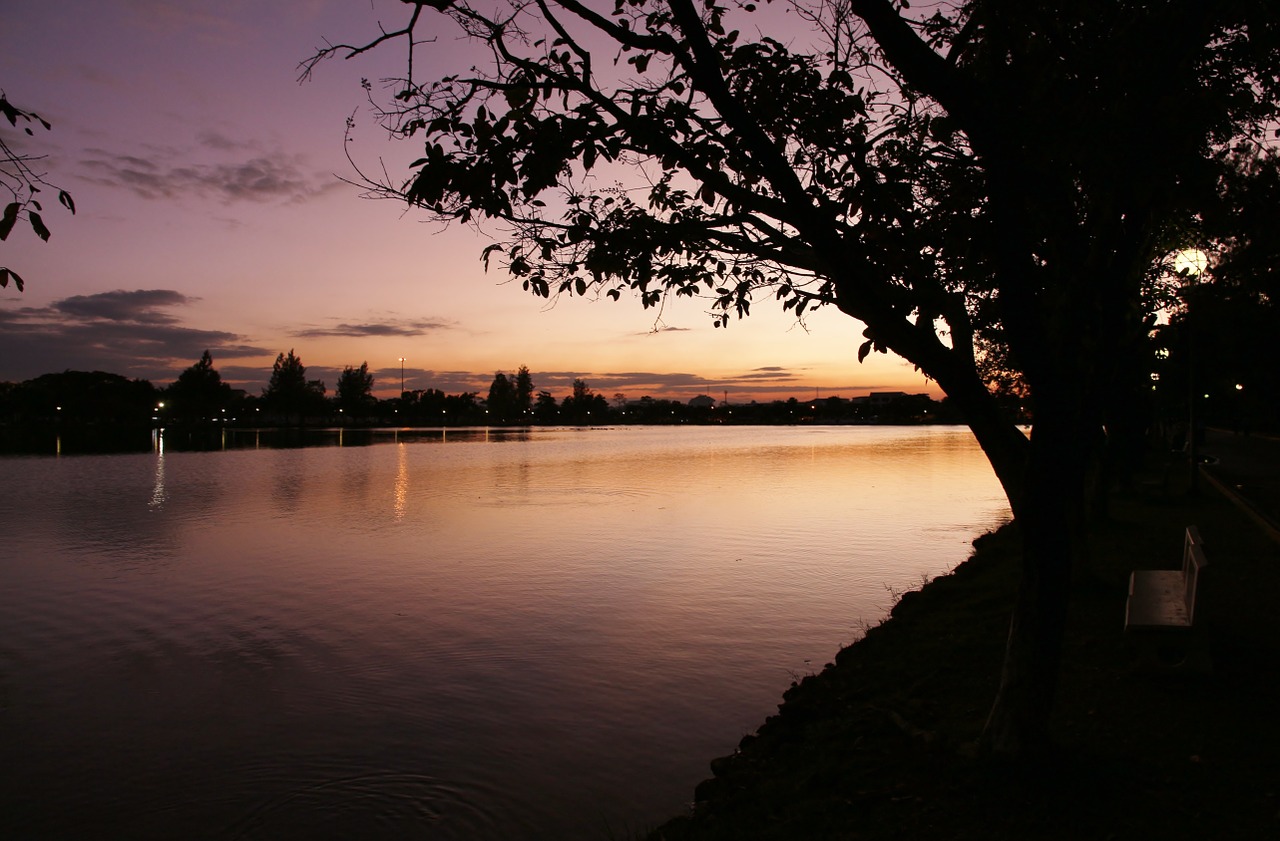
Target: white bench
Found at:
1161, 611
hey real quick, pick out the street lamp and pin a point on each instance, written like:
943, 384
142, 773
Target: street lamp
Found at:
402, 376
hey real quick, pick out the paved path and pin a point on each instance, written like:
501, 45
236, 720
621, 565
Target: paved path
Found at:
1247, 469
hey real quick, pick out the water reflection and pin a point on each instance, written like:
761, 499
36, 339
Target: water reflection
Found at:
288, 482
556, 635
158, 494
88, 441
402, 482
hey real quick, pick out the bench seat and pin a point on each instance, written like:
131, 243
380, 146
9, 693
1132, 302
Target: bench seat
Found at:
1160, 616
1157, 600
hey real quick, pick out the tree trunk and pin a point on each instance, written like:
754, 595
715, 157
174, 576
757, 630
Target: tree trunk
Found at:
1049, 521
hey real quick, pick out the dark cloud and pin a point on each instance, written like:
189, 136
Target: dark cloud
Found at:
394, 327
123, 332
264, 177
140, 305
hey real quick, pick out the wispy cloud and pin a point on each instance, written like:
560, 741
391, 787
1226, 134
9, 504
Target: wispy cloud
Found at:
253, 175
392, 327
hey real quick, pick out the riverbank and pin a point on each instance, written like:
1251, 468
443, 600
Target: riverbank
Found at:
879, 744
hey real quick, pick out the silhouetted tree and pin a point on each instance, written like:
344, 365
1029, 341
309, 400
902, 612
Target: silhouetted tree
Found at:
289, 393
546, 410
502, 399
355, 390
82, 397
584, 405
199, 392
524, 391
23, 183
989, 173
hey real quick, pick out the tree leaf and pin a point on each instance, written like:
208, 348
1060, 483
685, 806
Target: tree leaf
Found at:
864, 350
65, 198
37, 225
10, 217
5, 273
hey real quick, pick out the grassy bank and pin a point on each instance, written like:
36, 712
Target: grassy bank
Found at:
879, 745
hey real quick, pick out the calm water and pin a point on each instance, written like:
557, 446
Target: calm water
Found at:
539, 635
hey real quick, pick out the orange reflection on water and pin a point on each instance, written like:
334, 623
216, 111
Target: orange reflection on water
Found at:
401, 504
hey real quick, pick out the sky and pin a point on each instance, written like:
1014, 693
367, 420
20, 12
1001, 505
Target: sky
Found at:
211, 214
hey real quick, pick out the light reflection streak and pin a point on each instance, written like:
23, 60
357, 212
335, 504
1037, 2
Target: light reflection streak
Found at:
402, 482
158, 493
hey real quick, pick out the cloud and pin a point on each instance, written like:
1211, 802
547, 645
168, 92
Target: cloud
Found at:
253, 176
218, 140
140, 305
673, 384
393, 327
123, 332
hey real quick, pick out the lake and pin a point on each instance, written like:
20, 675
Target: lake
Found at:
453, 634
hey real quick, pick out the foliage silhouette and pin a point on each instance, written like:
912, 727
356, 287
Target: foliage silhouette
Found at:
23, 184
289, 394
984, 174
199, 392
502, 399
355, 390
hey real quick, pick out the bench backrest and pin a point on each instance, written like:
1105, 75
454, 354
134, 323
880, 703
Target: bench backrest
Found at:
1193, 564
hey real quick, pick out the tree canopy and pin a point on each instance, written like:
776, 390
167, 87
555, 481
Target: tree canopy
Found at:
289, 392
975, 182
199, 391
355, 388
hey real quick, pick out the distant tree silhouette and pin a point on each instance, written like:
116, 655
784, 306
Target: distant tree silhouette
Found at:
289, 394
584, 405
510, 398
524, 391
80, 397
502, 399
199, 392
355, 390
21, 177
989, 174
546, 410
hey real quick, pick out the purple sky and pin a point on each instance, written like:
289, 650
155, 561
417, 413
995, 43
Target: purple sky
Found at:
210, 214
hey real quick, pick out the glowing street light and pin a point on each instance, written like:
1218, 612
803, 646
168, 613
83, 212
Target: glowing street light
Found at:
402, 376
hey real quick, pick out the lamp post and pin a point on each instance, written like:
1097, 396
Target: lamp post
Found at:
402, 376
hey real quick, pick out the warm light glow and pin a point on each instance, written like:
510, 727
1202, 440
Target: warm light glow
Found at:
1192, 261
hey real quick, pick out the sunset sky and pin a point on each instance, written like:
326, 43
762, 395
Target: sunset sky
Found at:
211, 214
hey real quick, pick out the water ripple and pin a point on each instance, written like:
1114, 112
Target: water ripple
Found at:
382, 804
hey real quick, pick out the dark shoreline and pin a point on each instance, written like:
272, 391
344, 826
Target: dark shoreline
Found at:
880, 744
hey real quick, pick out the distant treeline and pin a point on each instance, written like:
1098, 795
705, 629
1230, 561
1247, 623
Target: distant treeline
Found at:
199, 397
